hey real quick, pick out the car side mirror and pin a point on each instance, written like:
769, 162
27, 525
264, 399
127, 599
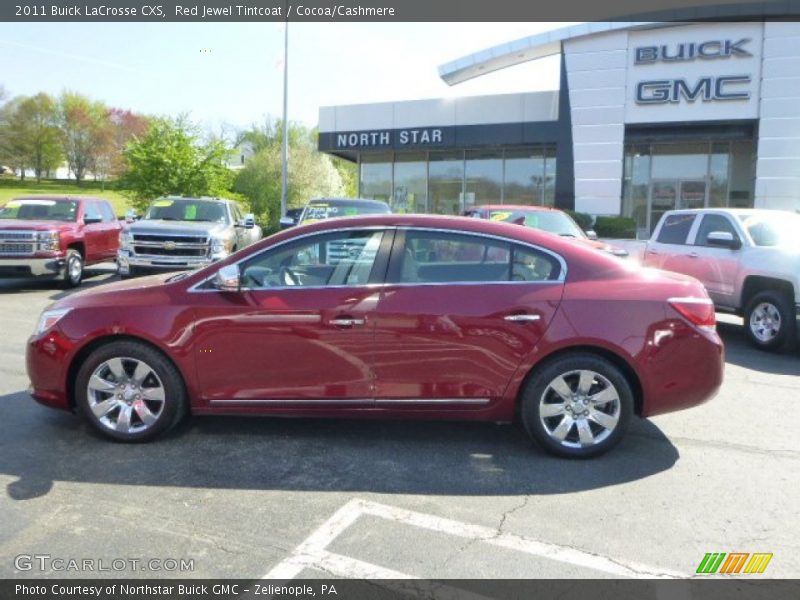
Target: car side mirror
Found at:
286, 222
591, 234
130, 216
724, 239
248, 222
228, 279
92, 220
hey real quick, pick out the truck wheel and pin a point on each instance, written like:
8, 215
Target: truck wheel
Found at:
73, 269
770, 321
130, 392
577, 406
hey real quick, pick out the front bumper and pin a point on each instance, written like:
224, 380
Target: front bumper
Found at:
27, 266
128, 261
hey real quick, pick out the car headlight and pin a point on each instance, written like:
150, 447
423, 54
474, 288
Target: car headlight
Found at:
47, 241
221, 245
49, 318
125, 240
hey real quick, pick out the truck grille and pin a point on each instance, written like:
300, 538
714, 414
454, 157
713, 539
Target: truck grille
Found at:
170, 245
17, 243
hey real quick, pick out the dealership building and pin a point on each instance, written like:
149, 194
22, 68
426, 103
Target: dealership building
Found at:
649, 117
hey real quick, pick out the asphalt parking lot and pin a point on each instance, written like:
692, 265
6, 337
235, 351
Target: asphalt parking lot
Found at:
287, 498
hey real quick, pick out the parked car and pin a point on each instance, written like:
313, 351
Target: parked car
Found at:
320, 209
178, 233
548, 219
410, 325
56, 237
748, 260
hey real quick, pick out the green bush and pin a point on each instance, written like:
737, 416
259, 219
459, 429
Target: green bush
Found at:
584, 220
615, 227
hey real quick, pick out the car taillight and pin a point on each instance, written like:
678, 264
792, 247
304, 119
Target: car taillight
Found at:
698, 311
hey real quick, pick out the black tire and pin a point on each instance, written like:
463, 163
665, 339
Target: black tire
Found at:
73, 269
132, 272
538, 393
166, 414
778, 334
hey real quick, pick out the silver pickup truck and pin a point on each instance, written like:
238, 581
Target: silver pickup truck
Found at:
178, 233
748, 260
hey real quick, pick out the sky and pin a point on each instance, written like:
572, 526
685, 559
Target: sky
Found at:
231, 75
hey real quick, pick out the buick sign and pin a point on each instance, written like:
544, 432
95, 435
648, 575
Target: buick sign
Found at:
688, 51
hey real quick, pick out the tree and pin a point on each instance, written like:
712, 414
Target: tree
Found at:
14, 147
311, 173
171, 158
37, 117
84, 132
120, 127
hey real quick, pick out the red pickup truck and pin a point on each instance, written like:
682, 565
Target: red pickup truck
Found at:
56, 236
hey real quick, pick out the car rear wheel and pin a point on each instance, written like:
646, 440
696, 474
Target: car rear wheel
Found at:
73, 269
770, 321
130, 392
577, 406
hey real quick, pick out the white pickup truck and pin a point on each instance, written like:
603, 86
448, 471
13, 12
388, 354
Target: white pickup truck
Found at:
748, 260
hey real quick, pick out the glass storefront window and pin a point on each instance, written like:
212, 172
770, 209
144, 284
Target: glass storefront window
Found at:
484, 178
549, 192
665, 176
376, 177
410, 183
445, 182
524, 176
743, 174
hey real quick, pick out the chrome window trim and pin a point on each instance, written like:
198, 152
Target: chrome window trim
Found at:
561, 277
357, 401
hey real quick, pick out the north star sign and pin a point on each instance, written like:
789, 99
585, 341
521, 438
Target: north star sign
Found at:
706, 89
403, 137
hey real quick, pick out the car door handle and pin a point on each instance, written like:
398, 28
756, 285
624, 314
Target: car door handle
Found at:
522, 318
347, 322
693, 255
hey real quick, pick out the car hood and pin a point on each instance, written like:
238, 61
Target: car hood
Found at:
117, 291
25, 224
161, 227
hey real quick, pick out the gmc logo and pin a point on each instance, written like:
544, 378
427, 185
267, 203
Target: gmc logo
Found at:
706, 89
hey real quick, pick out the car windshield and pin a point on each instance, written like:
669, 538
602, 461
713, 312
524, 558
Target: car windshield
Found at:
778, 229
40, 210
551, 221
179, 209
320, 210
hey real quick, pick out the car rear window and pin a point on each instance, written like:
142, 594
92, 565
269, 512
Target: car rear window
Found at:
675, 229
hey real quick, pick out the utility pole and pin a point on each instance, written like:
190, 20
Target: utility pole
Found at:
285, 145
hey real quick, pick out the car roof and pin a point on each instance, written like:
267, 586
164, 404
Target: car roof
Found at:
528, 207
63, 198
350, 201
192, 198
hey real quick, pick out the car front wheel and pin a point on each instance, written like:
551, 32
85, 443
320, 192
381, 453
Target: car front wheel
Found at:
577, 406
770, 321
73, 269
129, 391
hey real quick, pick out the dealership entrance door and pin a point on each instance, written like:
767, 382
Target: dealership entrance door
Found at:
671, 194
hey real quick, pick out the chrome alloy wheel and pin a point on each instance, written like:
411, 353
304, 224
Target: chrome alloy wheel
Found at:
765, 322
579, 409
126, 395
75, 269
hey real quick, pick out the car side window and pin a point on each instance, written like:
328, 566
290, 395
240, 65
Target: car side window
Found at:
91, 211
333, 259
712, 223
676, 229
528, 264
106, 212
237, 214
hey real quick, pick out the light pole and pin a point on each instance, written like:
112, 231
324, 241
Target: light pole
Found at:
285, 145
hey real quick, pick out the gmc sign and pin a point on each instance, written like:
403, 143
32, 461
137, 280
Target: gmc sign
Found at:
706, 89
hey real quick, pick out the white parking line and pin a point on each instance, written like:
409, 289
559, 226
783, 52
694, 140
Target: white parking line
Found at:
313, 551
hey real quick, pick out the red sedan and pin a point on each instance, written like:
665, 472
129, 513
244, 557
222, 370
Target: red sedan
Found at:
388, 316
